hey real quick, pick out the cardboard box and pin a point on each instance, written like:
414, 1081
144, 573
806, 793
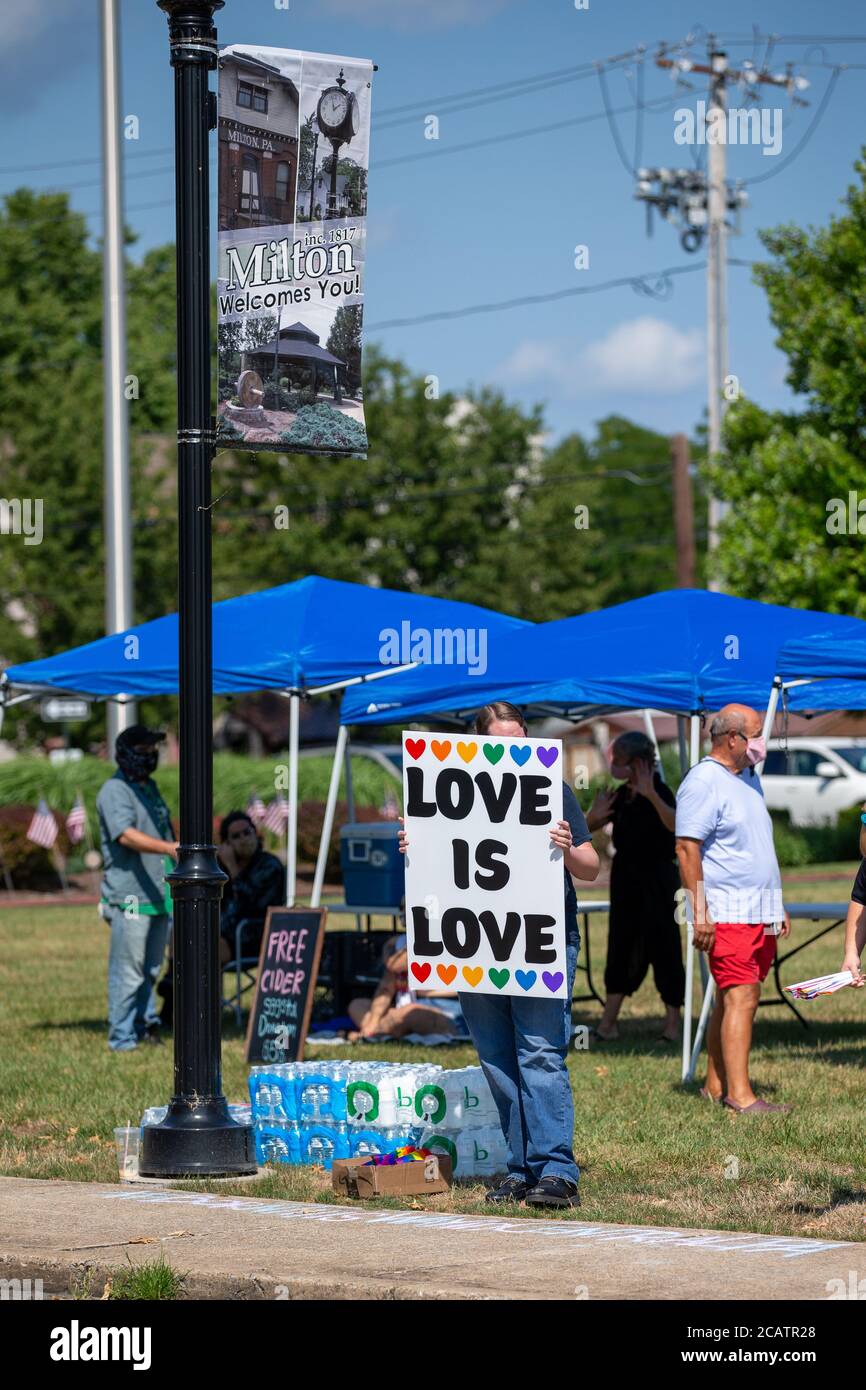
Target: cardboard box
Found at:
353, 1177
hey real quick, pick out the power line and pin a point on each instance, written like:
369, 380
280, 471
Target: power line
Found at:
73, 163
640, 283
581, 69
807, 135
503, 138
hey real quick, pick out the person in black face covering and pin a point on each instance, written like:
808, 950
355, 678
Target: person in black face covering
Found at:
138, 844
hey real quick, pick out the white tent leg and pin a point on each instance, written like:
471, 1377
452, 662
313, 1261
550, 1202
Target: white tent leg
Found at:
769, 717
695, 741
328, 825
687, 1008
694, 757
651, 735
709, 996
683, 746
292, 821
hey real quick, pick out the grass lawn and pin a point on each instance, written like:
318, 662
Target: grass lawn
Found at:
651, 1153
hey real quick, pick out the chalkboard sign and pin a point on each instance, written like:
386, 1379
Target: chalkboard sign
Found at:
288, 966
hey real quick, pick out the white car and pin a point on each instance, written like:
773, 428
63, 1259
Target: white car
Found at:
813, 779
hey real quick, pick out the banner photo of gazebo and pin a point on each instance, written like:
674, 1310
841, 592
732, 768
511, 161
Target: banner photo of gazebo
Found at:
294, 132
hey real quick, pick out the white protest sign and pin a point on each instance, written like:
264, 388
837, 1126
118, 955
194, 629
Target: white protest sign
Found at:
485, 896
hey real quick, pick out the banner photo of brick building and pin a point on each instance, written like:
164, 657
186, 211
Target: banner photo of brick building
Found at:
294, 139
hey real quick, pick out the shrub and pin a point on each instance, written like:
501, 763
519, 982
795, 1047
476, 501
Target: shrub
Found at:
817, 844
322, 427
30, 865
278, 399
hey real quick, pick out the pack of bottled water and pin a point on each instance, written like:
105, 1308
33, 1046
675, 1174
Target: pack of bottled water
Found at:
316, 1112
475, 1152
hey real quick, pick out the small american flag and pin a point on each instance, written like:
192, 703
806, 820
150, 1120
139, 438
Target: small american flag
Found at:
256, 808
76, 822
43, 827
276, 816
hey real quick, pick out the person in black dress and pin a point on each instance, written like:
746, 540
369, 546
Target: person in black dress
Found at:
643, 884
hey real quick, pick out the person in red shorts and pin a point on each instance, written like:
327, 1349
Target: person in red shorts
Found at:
729, 870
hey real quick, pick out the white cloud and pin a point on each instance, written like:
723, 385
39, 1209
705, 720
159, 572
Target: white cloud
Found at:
22, 25
416, 14
646, 356
49, 38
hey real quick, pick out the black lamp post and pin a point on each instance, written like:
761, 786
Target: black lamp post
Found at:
197, 1137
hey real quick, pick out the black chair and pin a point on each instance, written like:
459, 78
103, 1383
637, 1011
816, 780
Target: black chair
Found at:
241, 971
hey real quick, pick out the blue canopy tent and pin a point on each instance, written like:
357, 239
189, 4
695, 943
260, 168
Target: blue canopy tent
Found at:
687, 651
304, 638
684, 650
826, 654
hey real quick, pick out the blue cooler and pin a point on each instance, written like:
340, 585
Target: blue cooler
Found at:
372, 864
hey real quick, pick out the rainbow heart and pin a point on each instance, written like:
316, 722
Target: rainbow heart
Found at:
441, 750
525, 978
547, 756
467, 751
493, 752
499, 977
520, 753
415, 746
446, 973
422, 971
472, 974
552, 981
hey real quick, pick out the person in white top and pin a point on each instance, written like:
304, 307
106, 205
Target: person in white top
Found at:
729, 870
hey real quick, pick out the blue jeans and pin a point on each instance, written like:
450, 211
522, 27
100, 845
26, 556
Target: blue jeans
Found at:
134, 962
522, 1046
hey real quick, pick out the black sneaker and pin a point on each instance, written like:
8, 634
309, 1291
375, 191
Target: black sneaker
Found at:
512, 1189
553, 1192
153, 1036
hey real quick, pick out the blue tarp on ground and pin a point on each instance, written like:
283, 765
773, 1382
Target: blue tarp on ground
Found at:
838, 652
682, 650
301, 635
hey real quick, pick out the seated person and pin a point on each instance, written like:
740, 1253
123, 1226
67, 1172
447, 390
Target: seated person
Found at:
396, 1010
257, 882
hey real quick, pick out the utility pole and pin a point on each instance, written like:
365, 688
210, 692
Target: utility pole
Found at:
118, 520
684, 522
197, 1137
700, 204
717, 307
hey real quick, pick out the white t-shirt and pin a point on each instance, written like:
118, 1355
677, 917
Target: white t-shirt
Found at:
726, 811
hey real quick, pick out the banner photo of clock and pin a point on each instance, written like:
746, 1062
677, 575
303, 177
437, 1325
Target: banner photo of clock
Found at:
294, 146
485, 906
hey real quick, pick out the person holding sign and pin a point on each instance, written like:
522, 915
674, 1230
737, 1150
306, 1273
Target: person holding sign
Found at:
518, 1018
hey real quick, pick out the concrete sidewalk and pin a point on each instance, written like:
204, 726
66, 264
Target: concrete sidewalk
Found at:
250, 1248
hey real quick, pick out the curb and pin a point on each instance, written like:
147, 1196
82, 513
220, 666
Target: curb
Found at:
57, 1275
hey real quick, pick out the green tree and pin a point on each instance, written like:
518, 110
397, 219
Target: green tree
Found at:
786, 475
344, 341
51, 408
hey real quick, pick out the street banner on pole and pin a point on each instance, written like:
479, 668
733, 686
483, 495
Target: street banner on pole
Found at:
294, 137
485, 901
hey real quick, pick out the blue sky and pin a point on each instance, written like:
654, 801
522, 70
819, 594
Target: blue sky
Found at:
449, 230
